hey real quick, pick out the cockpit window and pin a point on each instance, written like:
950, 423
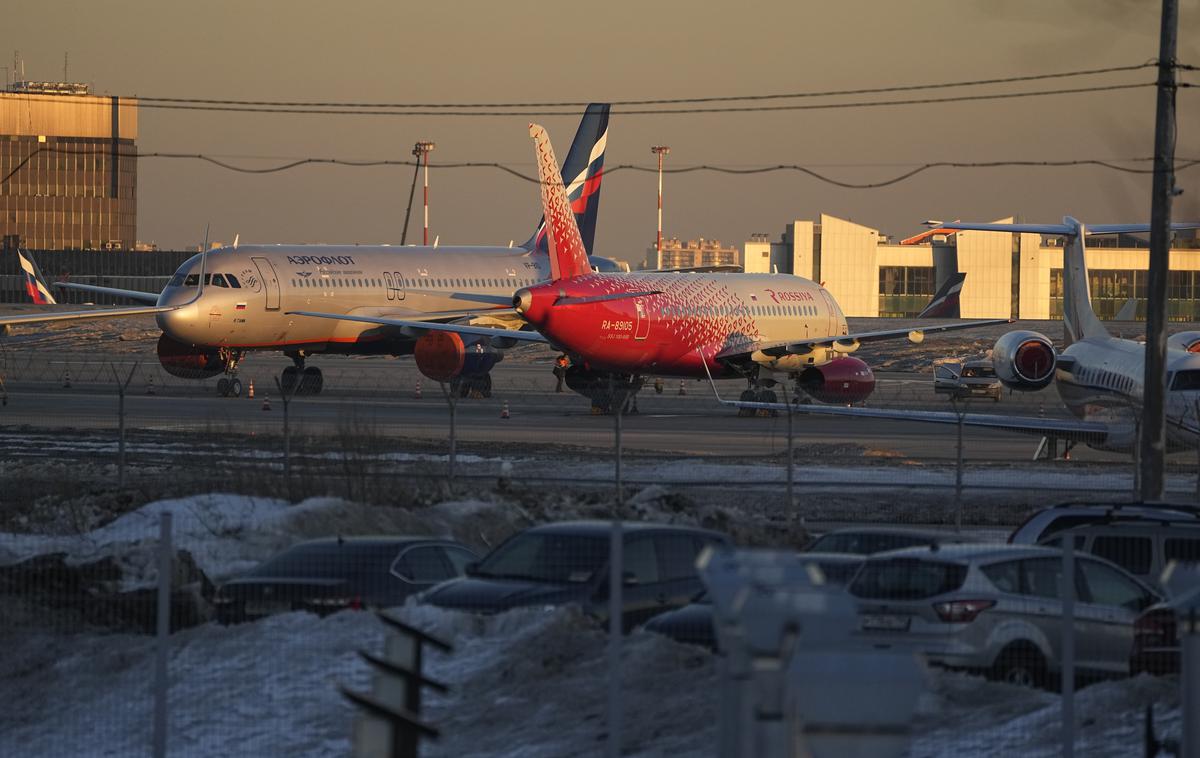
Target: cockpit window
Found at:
218, 280
1186, 380
233, 282
192, 280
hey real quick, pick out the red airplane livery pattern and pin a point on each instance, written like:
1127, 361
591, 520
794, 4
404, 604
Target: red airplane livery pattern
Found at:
620, 327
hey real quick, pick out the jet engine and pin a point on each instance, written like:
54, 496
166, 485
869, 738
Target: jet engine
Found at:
188, 361
842, 381
443, 356
1024, 360
1189, 341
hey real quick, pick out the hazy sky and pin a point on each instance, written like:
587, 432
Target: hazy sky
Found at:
517, 50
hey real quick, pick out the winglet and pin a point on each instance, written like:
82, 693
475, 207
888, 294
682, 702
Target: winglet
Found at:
568, 257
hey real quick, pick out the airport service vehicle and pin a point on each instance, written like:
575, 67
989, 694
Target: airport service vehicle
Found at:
221, 305
996, 609
693, 623
567, 563
328, 575
619, 328
1049, 521
1143, 548
867, 540
1098, 376
966, 379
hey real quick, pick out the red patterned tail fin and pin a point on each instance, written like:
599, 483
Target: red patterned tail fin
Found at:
568, 257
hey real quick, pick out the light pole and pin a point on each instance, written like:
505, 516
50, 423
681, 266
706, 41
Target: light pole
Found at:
422, 150
660, 151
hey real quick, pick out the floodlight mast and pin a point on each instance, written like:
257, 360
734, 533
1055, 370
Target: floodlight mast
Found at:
422, 150
660, 151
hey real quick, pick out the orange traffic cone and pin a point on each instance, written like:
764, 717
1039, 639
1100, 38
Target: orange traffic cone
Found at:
417, 390
266, 402
504, 410
250, 391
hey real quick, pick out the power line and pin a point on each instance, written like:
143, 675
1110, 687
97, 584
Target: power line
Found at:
649, 111
1112, 165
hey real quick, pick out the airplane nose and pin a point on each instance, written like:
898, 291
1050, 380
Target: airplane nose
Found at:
178, 322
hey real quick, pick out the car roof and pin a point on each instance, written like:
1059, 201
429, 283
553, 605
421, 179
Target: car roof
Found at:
820, 557
597, 527
374, 540
930, 534
971, 551
1132, 506
1134, 526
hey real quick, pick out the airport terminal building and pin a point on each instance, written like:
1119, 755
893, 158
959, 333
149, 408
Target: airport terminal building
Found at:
1008, 275
68, 168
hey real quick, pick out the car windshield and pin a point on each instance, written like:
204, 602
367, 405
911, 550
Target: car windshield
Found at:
865, 543
558, 558
329, 560
907, 579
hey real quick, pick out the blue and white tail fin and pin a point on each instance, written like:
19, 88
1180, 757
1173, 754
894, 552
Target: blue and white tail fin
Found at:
35, 283
946, 301
568, 257
581, 173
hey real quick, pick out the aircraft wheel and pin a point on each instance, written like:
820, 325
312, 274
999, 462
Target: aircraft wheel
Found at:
288, 380
484, 384
223, 387
310, 381
235, 387
318, 381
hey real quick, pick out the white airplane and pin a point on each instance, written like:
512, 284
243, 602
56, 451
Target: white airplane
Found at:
1099, 376
223, 304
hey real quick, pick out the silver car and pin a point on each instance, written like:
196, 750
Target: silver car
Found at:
996, 609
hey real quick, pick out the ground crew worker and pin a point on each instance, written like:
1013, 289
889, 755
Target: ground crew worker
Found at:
560, 371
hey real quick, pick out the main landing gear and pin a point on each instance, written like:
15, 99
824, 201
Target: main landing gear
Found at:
301, 380
474, 387
758, 391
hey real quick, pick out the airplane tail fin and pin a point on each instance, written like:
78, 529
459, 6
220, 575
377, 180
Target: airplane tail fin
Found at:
945, 302
568, 256
35, 283
581, 173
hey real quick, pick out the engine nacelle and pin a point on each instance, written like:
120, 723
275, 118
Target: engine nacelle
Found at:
842, 380
1024, 360
443, 356
1189, 341
188, 361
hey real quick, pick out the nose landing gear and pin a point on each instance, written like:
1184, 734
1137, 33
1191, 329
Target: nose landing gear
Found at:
229, 387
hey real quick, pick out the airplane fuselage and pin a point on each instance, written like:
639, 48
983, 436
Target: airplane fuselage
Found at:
249, 291
1105, 382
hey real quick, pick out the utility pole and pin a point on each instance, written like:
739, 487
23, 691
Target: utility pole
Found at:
660, 151
422, 150
1153, 438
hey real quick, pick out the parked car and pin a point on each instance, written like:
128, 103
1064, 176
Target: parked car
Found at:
996, 609
567, 563
328, 575
973, 378
1049, 521
866, 540
1156, 648
1143, 548
693, 623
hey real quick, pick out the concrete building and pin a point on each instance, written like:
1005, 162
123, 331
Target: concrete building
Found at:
68, 168
690, 254
1008, 275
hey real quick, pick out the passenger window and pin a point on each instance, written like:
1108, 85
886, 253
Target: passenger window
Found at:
1006, 576
1130, 553
423, 565
1182, 550
677, 556
641, 561
1107, 587
1041, 577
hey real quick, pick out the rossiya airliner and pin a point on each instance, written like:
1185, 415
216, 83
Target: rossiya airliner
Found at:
1099, 377
619, 328
221, 305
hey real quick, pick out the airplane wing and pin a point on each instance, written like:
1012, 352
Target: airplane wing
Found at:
138, 295
913, 334
39, 318
725, 268
501, 301
1067, 429
417, 328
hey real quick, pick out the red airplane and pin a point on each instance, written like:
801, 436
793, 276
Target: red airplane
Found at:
619, 328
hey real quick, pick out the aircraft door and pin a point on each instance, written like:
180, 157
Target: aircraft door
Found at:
830, 311
642, 328
266, 272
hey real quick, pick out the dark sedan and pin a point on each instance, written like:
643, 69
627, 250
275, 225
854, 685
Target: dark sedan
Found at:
328, 575
693, 623
567, 563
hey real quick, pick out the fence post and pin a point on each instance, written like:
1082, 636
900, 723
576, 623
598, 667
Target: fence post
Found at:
287, 438
163, 636
1067, 591
618, 409
791, 476
450, 401
958, 469
1189, 682
121, 387
616, 581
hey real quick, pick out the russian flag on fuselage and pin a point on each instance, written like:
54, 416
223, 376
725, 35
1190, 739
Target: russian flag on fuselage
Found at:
35, 284
581, 173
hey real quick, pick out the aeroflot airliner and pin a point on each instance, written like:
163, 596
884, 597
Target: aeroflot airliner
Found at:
223, 304
1099, 377
620, 327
